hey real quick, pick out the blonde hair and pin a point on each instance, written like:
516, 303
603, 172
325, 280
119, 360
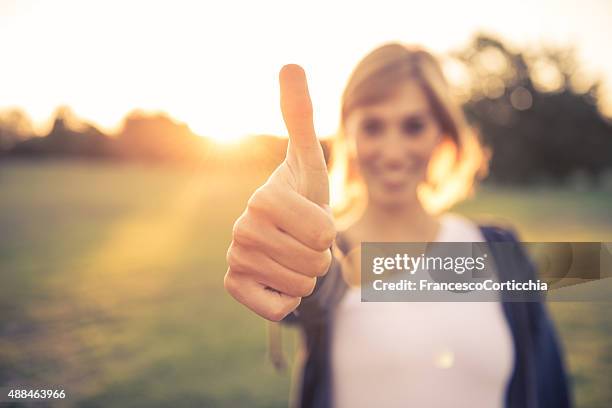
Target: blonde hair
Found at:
455, 164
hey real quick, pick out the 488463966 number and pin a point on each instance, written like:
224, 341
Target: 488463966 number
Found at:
35, 394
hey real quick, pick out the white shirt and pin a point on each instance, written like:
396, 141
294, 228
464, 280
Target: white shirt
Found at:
409, 354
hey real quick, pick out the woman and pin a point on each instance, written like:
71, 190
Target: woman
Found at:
403, 155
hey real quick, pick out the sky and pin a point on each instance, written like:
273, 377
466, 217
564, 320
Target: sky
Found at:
214, 65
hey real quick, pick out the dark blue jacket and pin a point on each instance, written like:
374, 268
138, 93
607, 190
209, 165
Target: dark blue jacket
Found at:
538, 379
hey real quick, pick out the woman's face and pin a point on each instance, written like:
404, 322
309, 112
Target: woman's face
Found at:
393, 141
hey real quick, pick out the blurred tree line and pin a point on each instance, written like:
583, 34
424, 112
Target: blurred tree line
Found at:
536, 110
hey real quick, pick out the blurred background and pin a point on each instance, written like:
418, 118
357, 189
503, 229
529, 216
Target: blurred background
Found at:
132, 134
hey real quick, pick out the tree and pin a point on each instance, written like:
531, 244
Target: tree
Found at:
15, 126
538, 123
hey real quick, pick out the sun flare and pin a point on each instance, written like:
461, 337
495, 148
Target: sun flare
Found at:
215, 67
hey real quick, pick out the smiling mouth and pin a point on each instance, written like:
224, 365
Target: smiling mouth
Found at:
393, 185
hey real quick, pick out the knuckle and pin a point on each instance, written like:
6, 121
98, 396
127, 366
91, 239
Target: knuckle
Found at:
235, 258
230, 284
302, 114
241, 232
261, 199
301, 111
228, 254
325, 236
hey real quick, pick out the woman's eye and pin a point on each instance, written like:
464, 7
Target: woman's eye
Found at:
372, 127
412, 127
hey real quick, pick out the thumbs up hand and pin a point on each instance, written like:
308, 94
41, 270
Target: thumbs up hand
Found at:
281, 242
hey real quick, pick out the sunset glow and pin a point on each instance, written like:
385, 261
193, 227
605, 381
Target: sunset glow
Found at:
214, 66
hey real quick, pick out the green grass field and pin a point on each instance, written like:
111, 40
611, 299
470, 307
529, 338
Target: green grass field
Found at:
111, 285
